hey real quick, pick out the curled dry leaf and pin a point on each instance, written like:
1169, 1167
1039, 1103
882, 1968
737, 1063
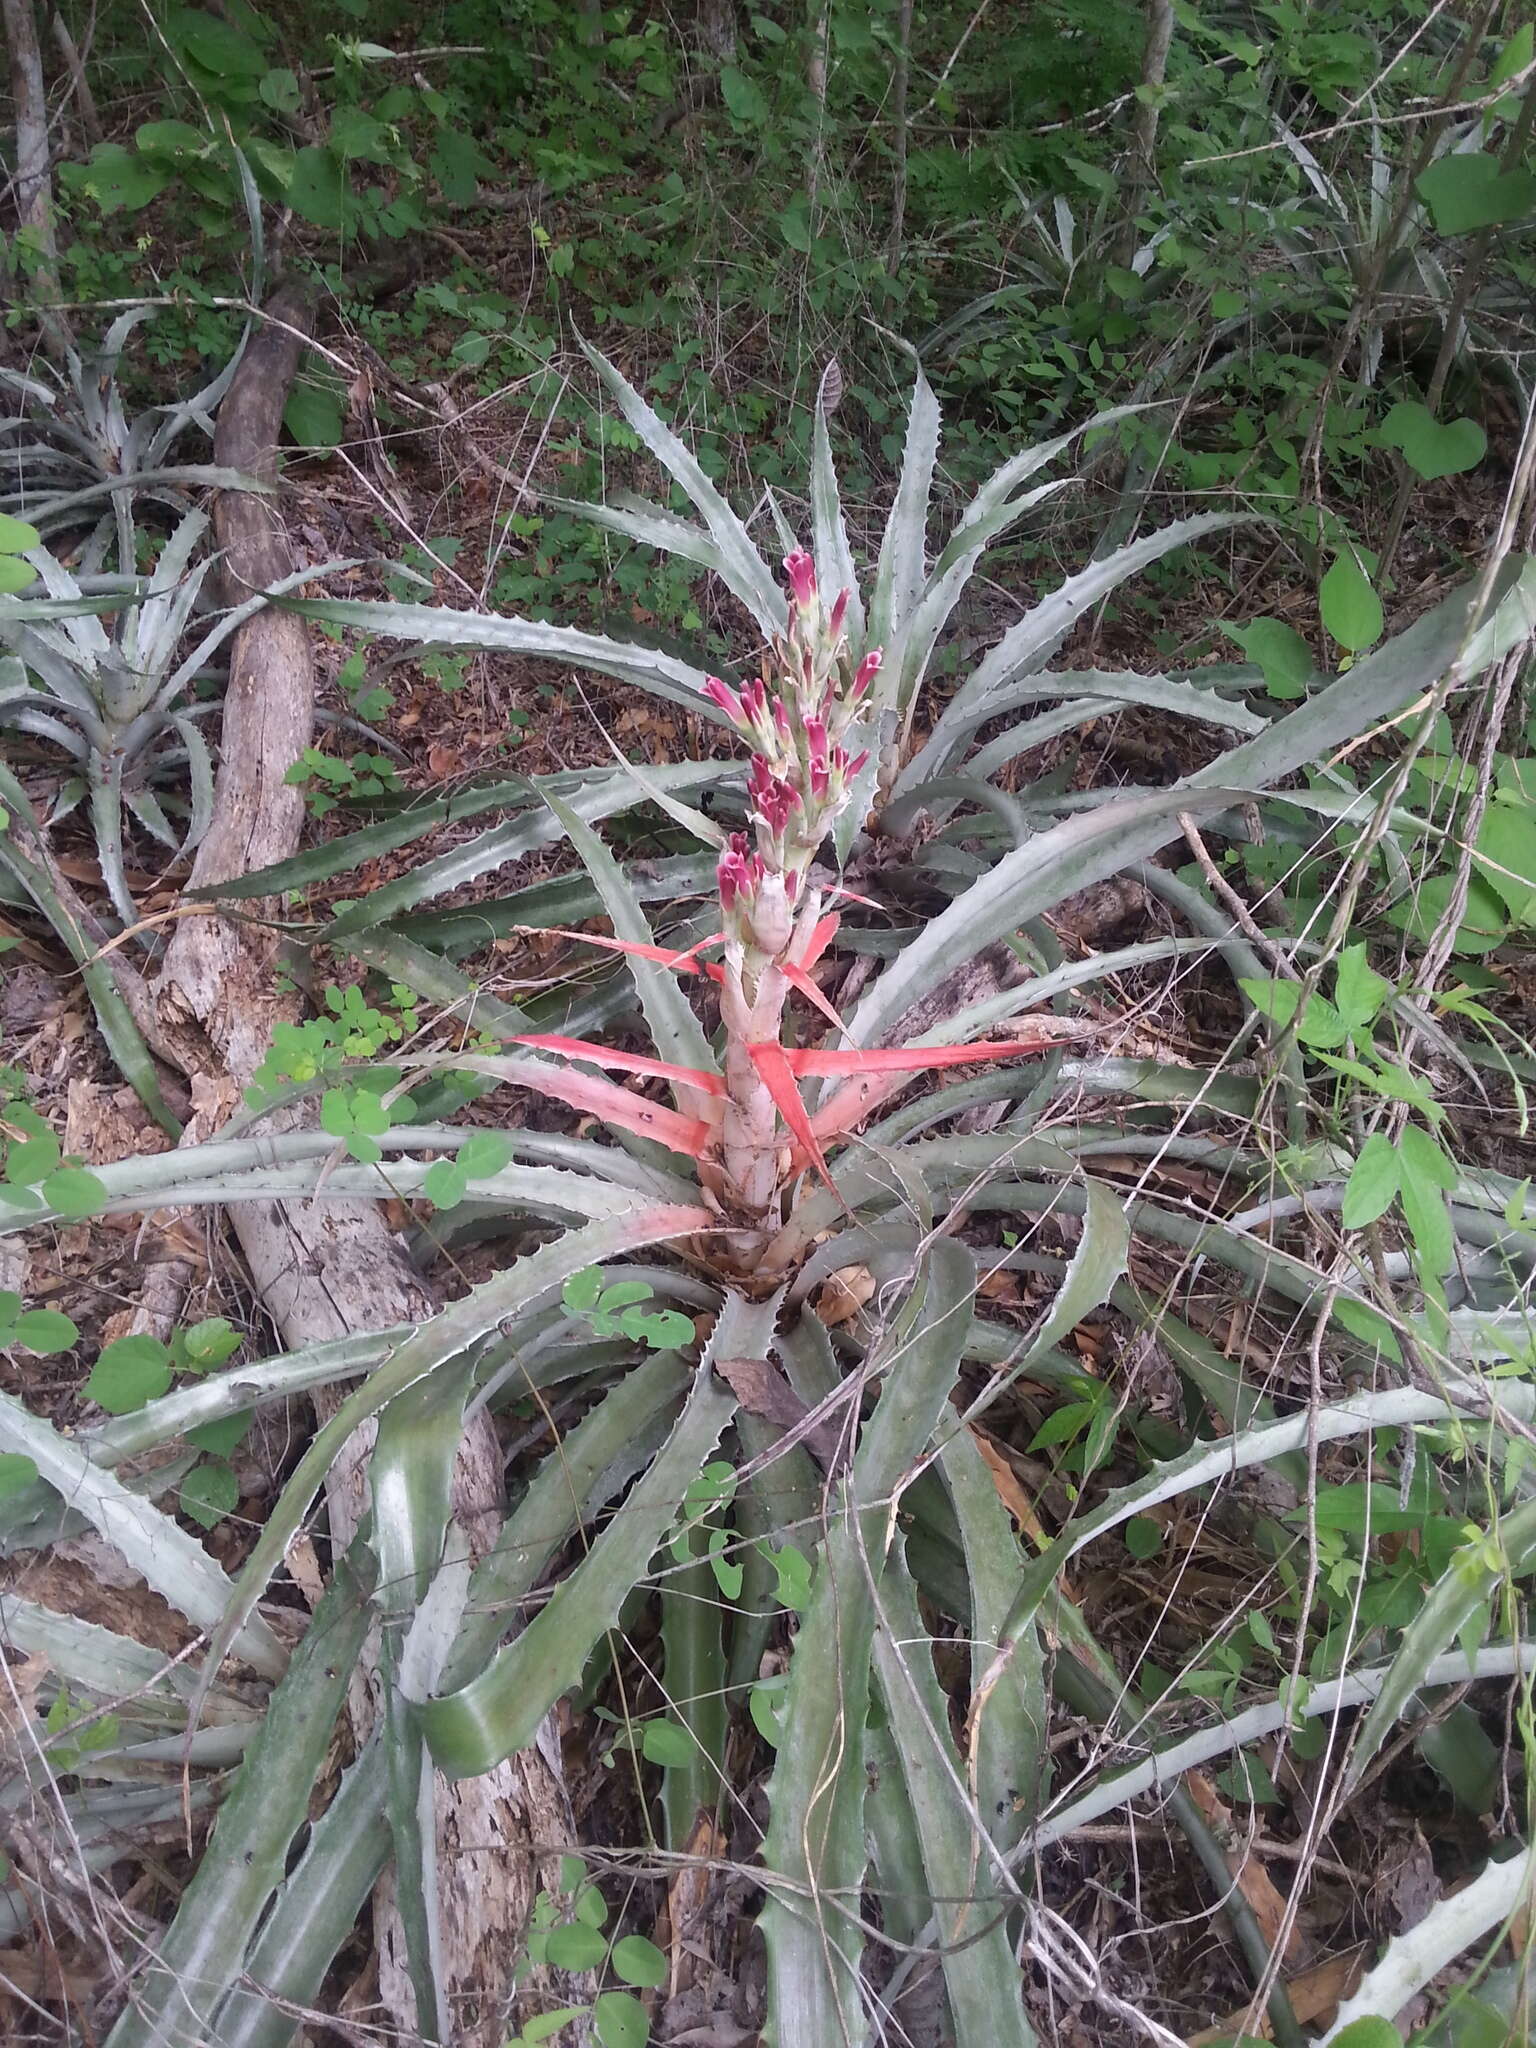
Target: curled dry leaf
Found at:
1251, 1878
843, 1294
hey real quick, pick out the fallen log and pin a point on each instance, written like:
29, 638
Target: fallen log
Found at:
324, 1269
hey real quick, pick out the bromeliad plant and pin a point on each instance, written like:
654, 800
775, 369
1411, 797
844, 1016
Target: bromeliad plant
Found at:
733, 1203
117, 696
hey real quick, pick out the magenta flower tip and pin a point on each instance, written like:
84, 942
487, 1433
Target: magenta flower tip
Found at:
868, 669
838, 613
801, 571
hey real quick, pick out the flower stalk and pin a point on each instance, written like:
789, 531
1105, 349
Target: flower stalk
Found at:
794, 716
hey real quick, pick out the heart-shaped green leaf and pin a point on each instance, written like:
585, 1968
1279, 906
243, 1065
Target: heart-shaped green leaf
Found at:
1431, 447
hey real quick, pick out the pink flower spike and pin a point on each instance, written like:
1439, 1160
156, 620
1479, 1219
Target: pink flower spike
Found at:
839, 613
801, 571
720, 693
856, 764
868, 669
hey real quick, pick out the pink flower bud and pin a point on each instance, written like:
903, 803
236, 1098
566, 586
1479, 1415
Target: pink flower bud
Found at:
816, 740
856, 764
868, 669
738, 871
781, 718
727, 699
801, 571
839, 613
771, 797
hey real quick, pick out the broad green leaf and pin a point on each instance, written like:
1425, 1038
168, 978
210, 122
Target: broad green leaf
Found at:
209, 1492
1468, 190
1373, 1182
17, 1472
1515, 55
16, 536
220, 48
1430, 447
317, 188
128, 1373
1358, 990
1283, 657
621, 2020
1358, 1508
667, 1744
1143, 1537
42, 1330
744, 96
1506, 857
639, 1962
575, 1947
315, 416
118, 179
1351, 609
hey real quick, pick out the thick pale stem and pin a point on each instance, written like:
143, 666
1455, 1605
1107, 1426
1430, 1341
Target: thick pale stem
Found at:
749, 1126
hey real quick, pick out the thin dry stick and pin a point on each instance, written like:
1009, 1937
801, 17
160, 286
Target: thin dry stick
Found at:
1143, 167
79, 85
901, 72
1277, 957
951, 60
